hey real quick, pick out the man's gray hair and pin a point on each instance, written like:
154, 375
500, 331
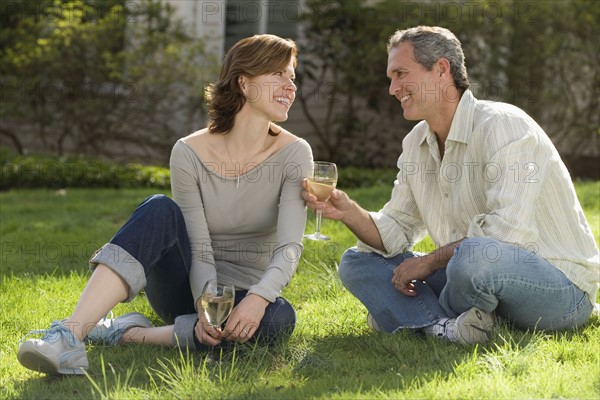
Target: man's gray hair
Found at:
430, 43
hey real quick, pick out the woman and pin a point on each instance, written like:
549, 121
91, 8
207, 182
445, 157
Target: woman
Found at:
238, 217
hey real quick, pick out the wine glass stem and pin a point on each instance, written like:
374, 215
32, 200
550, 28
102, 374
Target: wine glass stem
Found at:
319, 215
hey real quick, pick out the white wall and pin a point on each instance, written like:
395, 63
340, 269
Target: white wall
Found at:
206, 20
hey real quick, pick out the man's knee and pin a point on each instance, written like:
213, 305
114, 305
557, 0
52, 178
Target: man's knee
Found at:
350, 265
357, 267
474, 256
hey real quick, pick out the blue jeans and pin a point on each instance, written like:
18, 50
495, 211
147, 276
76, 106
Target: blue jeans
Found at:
515, 284
152, 251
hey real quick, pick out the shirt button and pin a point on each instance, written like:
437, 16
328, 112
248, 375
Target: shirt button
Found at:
446, 195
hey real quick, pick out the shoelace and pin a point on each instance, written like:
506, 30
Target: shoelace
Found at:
114, 332
440, 328
54, 334
109, 317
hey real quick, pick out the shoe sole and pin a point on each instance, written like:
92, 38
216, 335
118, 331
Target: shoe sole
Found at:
474, 326
32, 359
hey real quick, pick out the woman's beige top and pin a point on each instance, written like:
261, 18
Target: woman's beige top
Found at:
245, 230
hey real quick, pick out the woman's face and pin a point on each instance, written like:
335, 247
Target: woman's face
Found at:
271, 94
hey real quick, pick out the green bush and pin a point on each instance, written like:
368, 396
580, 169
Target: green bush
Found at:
62, 172
355, 177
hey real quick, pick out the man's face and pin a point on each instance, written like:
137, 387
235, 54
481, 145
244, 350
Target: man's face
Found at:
417, 89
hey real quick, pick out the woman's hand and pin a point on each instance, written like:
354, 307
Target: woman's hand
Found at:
334, 208
206, 333
245, 318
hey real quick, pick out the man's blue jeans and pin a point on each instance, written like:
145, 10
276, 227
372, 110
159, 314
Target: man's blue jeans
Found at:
152, 251
493, 276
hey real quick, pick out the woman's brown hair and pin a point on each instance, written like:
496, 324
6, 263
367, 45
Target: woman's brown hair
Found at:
251, 57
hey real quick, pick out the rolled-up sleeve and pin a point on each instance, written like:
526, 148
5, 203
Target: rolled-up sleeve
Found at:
399, 222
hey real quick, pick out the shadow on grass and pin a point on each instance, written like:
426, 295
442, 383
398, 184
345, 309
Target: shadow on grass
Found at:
355, 365
138, 371
111, 370
349, 365
394, 364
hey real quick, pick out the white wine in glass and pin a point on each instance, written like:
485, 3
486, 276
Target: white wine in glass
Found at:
217, 302
321, 184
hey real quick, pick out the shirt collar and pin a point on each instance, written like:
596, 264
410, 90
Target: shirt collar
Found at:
461, 123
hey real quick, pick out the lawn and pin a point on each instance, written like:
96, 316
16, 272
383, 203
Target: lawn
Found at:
47, 236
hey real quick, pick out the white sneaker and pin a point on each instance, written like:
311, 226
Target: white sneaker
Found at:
372, 323
472, 326
57, 352
110, 330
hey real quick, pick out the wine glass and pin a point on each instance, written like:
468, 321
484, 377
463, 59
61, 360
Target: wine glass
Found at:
217, 302
321, 184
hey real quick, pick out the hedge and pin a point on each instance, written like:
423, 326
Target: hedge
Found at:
72, 171
62, 172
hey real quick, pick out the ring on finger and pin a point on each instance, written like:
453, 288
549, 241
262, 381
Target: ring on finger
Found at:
245, 331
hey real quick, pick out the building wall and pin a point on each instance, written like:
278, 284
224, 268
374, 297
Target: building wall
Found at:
205, 19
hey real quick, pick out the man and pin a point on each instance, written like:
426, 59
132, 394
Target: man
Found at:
486, 183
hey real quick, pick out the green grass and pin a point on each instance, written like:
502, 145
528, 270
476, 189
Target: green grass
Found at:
46, 238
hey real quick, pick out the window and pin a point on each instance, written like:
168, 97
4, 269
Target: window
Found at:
246, 18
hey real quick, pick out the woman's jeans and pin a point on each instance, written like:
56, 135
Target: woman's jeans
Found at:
152, 251
493, 276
